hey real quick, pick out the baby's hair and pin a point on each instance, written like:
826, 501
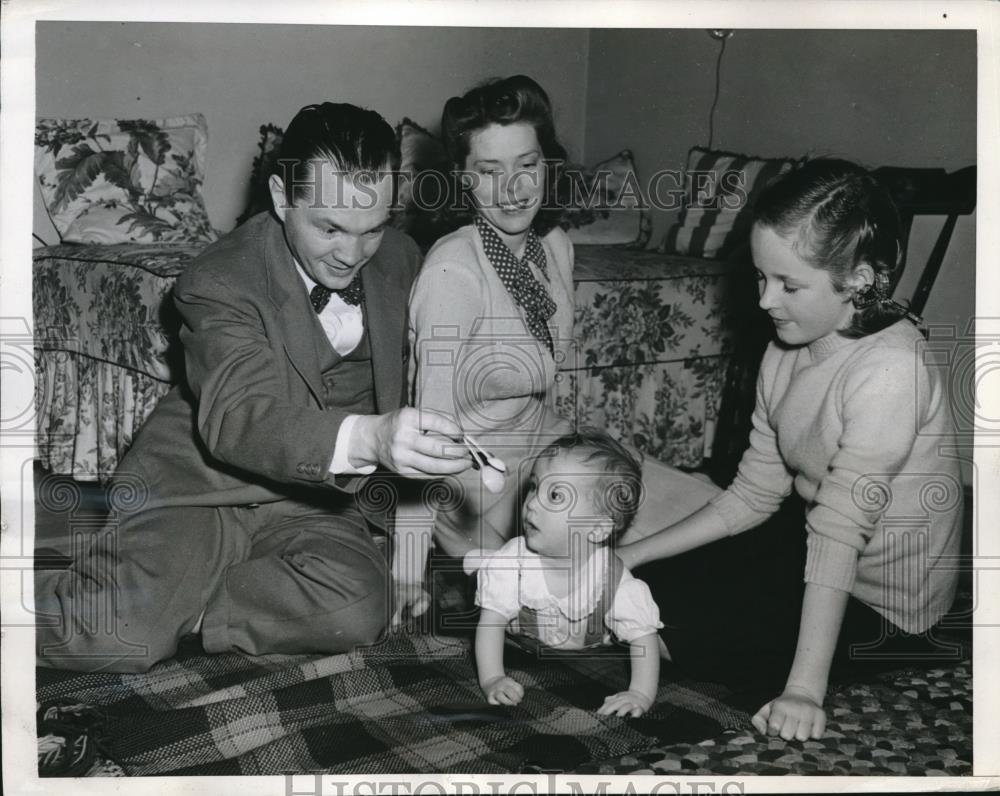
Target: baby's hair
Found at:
621, 491
840, 216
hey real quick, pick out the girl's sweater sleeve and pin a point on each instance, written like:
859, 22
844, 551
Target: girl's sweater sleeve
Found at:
882, 403
762, 481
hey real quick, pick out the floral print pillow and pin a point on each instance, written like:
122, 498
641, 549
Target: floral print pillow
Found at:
124, 181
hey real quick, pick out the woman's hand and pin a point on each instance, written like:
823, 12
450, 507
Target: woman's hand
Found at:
794, 714
408, 597
411, 546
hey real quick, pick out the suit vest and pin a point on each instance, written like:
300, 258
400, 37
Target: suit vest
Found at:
348, 381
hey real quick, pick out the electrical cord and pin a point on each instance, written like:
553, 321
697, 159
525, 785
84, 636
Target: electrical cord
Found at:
722, 36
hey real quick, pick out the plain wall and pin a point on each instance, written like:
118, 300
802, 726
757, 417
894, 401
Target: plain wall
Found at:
241, 76
901, 98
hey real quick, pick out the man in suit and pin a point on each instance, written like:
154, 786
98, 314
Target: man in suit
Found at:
245, 525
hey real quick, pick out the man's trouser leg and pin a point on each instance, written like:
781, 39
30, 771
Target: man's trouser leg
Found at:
313, 581
140, 586
282, 577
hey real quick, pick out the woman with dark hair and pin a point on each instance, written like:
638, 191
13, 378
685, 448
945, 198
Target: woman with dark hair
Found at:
515, 100
491, 316
849, 414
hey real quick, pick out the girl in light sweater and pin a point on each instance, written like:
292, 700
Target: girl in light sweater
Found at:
850, 416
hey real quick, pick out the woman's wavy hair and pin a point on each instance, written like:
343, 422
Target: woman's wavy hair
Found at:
504, 101
840, 216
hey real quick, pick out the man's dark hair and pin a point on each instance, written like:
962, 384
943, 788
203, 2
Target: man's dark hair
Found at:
354, 139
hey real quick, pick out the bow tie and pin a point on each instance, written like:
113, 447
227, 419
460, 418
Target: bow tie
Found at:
319, 296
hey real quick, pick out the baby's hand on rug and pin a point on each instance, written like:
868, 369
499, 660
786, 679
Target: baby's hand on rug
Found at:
794, 714
503, 690
625, 703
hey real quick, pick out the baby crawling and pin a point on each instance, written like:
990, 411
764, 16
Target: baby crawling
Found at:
560, 585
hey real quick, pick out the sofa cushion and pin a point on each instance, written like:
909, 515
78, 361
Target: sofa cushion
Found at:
603, 203
426, 186
420, 152
124, 180
720, 190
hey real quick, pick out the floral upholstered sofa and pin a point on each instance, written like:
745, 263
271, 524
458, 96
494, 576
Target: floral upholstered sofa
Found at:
652, 335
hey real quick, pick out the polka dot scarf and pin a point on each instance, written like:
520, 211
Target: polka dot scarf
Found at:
516, 276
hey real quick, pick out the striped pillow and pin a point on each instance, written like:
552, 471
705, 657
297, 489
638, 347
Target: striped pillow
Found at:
720, 190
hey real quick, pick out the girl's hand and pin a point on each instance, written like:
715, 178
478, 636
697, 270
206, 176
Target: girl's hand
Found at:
503, 690
625, 703
794, 714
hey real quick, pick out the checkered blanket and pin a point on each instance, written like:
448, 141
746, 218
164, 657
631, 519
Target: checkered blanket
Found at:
410, 704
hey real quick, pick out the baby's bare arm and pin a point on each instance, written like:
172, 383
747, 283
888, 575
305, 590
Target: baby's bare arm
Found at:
497, 686
645, 658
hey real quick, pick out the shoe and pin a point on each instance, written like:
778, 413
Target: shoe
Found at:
71, 741
65, 753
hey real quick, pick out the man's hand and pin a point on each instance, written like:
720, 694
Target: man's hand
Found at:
794, 714
411, 442
625, 703
408, 596
503, 690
